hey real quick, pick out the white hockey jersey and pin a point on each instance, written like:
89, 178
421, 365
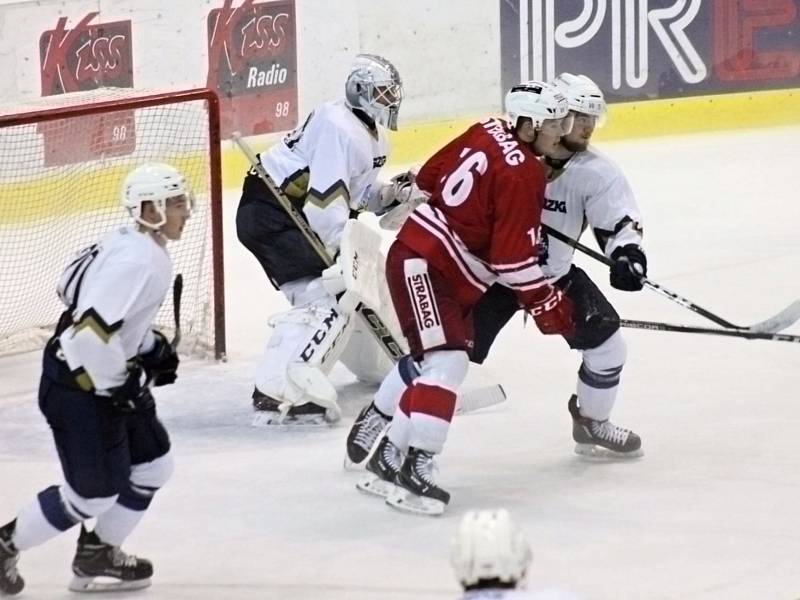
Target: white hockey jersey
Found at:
120, 283
505, 594
331, 163
591, 190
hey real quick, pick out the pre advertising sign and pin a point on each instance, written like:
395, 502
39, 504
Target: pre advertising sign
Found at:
86, 57
642, 49
252, 64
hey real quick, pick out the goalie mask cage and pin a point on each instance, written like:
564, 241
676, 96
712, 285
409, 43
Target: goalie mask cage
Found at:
62, 162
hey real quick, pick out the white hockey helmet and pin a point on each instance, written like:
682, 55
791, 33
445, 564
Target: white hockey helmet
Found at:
539, 101
583, 95
375, 87
153, 182
489, 546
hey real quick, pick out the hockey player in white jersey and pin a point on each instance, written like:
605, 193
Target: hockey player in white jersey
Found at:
491, 557
95, 392
328, 168
585, 188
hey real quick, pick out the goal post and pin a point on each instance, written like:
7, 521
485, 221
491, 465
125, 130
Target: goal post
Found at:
62, 162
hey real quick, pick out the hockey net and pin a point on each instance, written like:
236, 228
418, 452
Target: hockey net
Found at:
62, 162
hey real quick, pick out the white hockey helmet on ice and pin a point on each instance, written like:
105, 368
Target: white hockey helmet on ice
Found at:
537, 100
153, 182
583, 95
375, 87
489, 546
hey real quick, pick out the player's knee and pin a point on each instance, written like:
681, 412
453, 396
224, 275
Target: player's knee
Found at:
447, 368
145, 480
85, 508
602, 366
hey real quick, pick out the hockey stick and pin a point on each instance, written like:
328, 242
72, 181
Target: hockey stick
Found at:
479, 398
177, 292
740, 333
370, 317
778, 322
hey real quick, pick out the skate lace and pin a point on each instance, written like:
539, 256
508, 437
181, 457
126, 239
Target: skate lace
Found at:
391, 456
610, 432
371, 425
426, 468
121, 559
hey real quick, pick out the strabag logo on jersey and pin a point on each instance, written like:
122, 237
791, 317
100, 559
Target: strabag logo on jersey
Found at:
423, 302
86, 57
252, 64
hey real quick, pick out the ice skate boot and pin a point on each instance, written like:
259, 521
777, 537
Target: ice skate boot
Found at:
383, 467
415, 491
367, 428
269, 412
100, 567
602, 439
11, 582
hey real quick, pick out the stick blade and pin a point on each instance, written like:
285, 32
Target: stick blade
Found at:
481, 397
786, 318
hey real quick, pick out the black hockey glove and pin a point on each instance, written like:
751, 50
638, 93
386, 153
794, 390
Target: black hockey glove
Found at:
131, 396
161, 363
629, 268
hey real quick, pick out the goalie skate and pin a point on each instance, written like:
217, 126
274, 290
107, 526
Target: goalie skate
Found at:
382, 469
271, 413
415, 491
602, 439
11, 582
100, 567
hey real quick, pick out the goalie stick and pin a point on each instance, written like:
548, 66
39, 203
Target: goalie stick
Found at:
778, 322
370, 317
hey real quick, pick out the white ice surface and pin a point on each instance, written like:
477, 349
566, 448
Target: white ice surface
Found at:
711, 511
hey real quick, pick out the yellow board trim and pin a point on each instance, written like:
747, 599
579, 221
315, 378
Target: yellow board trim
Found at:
414, 143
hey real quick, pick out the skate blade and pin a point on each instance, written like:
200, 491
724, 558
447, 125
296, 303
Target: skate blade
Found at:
599, 453
375, 486
91, 585
405, 501
273, 422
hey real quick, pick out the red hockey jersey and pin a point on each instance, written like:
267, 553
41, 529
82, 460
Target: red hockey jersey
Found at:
481, 224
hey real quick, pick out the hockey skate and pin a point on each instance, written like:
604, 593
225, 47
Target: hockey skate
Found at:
602, 439
415, 491
383, 467
100, 567
11, 582
369, 425
269, 412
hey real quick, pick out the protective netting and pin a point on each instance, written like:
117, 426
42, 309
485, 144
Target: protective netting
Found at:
60, 191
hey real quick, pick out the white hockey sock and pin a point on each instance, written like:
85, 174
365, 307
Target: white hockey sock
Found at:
33, 528
596, 403
388, 395
400, 430
114, 526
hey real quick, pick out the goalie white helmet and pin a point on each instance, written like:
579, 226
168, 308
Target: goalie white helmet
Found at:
153, 182
583, 95
489, 546
375, 87
539, 101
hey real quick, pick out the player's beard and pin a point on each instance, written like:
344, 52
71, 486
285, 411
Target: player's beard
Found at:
573, 146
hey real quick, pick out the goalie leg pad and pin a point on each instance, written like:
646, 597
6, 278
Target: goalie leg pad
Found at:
364, 358
305, 345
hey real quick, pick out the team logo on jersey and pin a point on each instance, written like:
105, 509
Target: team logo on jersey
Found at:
423, 302
555, 205
378, 162
84, 58
252, 64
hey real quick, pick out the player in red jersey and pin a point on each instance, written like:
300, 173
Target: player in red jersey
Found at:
480, 226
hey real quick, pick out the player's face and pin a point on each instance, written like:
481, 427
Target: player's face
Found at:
550, 133
177, 212
578, 139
